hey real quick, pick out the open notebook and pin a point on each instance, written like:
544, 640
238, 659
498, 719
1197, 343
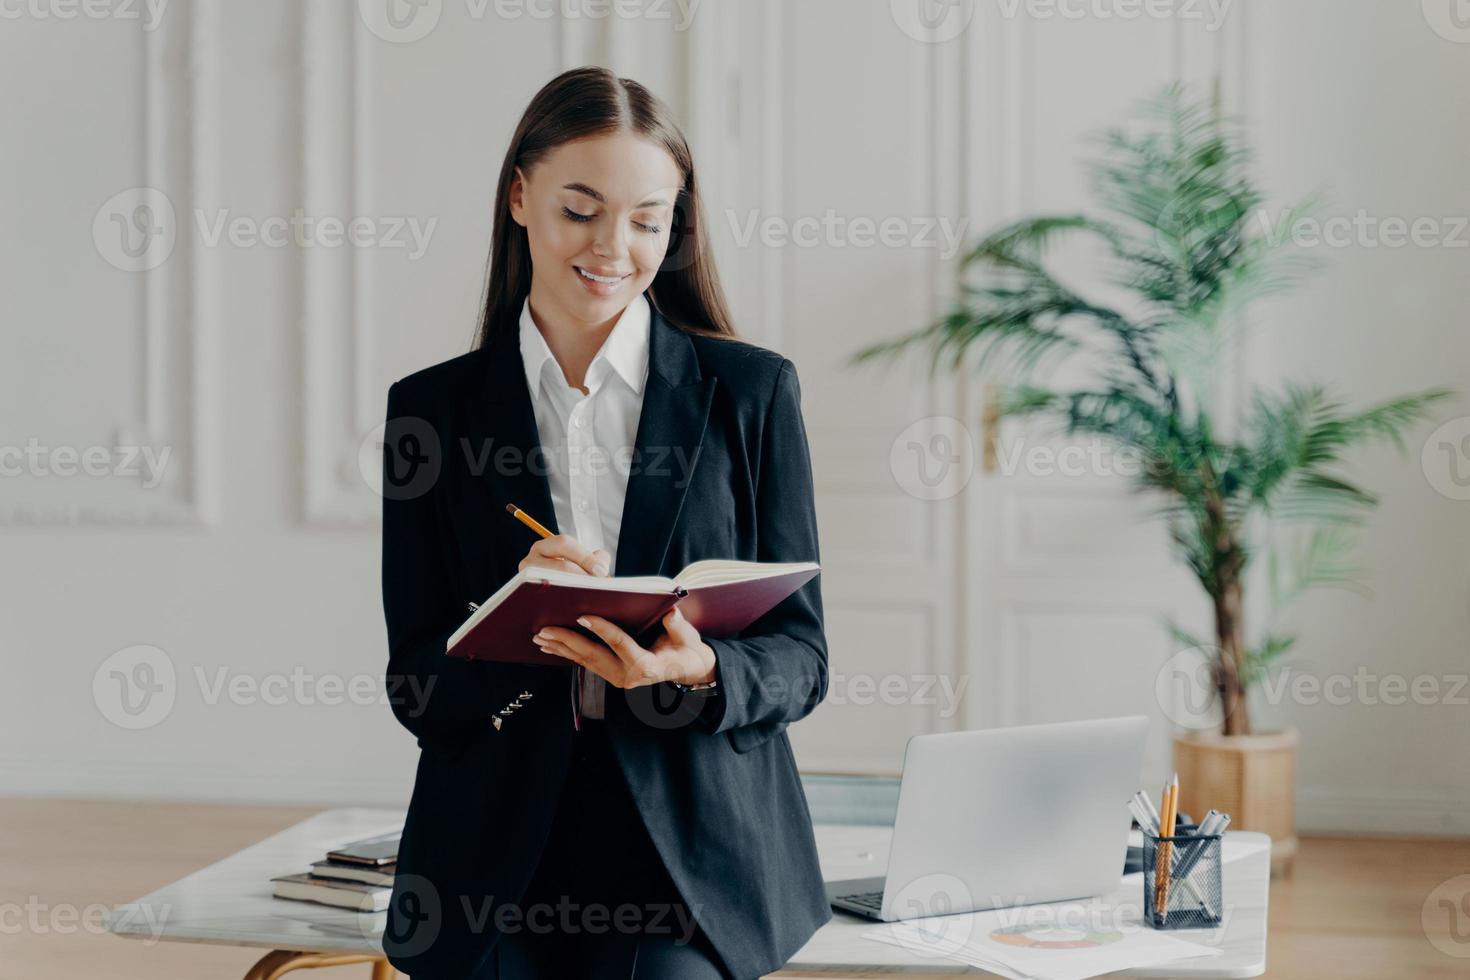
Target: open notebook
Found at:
720, 598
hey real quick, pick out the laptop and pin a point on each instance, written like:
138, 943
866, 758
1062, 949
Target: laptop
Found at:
1007, 816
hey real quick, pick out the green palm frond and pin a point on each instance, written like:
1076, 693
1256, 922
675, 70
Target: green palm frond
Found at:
1183, 638
1024, 244
1388, 420
1322, 558
1020, 401
1022, 326
1259, 658
1302, 433
1183, 183
1014, 310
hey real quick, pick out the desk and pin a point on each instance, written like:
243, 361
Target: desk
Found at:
230, 903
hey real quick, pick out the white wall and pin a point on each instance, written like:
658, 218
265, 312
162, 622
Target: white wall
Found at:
264, 368
1366, 103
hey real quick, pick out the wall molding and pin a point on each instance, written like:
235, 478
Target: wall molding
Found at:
338, 410
177, 405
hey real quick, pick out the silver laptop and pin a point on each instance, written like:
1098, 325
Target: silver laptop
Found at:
1007, 816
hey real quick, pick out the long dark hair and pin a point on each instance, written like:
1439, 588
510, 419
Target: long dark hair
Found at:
592, 101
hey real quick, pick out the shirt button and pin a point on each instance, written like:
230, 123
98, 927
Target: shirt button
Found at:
581, 421
582, 506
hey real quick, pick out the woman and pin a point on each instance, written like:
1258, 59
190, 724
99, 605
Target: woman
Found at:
639, 813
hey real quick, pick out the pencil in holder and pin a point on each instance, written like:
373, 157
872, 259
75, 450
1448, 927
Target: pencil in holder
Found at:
1191, 896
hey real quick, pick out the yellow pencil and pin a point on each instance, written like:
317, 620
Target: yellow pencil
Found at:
527, 520
1162, 869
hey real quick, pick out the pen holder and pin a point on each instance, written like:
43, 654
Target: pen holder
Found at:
1192, 898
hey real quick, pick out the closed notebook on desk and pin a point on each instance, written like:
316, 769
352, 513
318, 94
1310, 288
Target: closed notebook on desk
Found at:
720, 598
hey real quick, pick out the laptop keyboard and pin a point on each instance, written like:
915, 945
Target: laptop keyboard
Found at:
868, 900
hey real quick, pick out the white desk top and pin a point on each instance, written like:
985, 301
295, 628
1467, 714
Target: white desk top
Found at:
859, 851
230, 903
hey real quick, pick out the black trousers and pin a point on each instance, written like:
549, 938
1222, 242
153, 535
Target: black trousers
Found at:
601, 905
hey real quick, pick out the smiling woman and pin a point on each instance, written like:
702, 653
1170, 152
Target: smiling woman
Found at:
606, 162
597, 213
659, 828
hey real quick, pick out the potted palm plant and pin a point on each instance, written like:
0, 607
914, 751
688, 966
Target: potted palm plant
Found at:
1183, 242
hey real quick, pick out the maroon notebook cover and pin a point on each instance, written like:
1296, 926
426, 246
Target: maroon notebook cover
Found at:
715, 610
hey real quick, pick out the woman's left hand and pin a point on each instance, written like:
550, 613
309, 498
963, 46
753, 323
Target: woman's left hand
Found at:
678, 655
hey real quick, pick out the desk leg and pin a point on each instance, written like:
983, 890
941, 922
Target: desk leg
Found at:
282, 961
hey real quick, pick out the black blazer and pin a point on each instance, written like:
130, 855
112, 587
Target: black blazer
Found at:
721, 470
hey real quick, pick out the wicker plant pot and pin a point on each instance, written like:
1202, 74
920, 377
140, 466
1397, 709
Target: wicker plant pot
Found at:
1250, 777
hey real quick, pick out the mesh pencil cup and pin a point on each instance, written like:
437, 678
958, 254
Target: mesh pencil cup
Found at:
1192, 898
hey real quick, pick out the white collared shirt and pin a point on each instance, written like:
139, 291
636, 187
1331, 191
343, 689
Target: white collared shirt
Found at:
588, 439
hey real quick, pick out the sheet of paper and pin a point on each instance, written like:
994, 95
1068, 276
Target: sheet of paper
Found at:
1063, 941
999, 969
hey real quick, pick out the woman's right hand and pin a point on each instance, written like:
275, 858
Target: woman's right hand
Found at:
564, 552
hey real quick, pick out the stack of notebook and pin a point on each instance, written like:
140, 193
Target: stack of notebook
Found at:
355, 876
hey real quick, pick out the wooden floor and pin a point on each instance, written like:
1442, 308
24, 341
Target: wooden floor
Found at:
1351, 910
